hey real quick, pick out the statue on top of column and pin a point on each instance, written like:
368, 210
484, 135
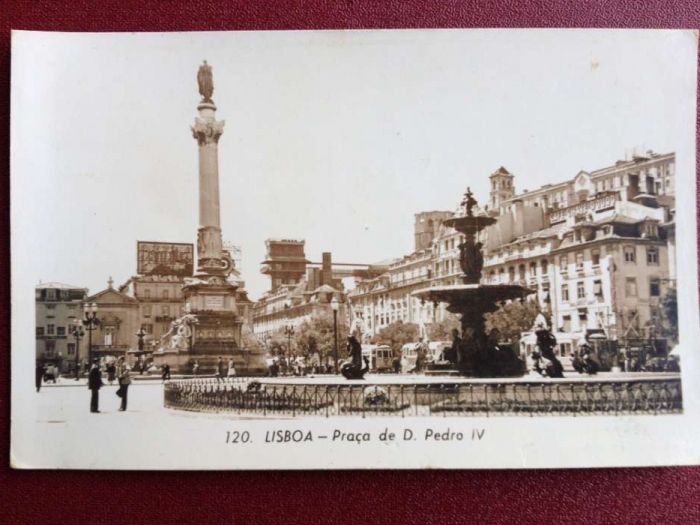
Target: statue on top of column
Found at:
206, 82
469, 202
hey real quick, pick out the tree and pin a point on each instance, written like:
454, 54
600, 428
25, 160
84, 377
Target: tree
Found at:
442, 331
512, 319
277, 343
396, 335
669, 308
316, 336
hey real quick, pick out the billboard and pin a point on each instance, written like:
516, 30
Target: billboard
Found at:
164, 258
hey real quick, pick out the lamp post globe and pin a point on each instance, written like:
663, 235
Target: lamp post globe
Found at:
289, 332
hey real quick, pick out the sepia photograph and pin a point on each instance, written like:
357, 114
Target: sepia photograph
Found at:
354, 249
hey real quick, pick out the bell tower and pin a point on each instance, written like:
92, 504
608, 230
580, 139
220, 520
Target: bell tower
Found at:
502, 188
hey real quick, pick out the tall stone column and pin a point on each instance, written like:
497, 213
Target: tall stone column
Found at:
207, 130
211, 327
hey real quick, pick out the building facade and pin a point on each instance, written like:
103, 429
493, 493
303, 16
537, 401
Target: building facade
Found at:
58, 307
598, 249
118, 323
299, 289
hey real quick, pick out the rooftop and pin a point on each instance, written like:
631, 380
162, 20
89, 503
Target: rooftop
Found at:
59, 286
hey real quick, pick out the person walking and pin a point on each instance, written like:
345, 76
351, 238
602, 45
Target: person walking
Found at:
94, 384
124, 382
195, 368
39, 375
231, 369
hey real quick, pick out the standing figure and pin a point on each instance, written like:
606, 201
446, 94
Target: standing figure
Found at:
195, 368
94, 384
546, 342
220, 369
455, 353
205, 81
111, 373
231, 369
124, 382
166, 372
39, 375
396, 363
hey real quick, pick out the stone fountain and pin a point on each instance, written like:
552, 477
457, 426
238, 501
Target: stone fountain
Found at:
476, 353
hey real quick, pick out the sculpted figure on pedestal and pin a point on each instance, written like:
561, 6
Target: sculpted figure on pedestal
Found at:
470, 259
206, 82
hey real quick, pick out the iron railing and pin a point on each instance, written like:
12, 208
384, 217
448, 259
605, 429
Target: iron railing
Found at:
250, 396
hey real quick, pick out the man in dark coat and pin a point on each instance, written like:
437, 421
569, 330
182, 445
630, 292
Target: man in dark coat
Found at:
546, 342
39, 375
94, 384
220, 369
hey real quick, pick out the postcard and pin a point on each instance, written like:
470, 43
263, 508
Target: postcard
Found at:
354, 249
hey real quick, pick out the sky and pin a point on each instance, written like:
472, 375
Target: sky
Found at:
335, 137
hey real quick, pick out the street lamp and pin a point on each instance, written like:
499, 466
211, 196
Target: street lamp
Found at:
78, 333
289, 332
90, 323
335, 305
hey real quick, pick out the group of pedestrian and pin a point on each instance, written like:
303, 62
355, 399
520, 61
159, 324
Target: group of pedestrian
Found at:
120, 371
223, 370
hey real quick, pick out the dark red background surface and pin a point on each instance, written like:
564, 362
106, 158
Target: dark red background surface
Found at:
658, 495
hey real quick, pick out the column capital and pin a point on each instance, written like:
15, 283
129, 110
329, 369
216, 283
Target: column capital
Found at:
207, 131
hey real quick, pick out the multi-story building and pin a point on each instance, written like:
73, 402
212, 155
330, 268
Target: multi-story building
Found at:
386, 298
160, 302
301, 290
58, 307
604, 267
598, 249
644, 178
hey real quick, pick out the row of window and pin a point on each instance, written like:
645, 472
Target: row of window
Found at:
52, 329
147, 310
69, 306
581, 290
652, 255
631, 289
52, 294
578, 258
50, 348
164, 294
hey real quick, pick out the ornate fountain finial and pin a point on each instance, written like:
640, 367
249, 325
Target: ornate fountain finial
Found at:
469, 202
206, 82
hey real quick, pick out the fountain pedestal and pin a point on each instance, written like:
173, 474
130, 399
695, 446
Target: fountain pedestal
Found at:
476, 354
